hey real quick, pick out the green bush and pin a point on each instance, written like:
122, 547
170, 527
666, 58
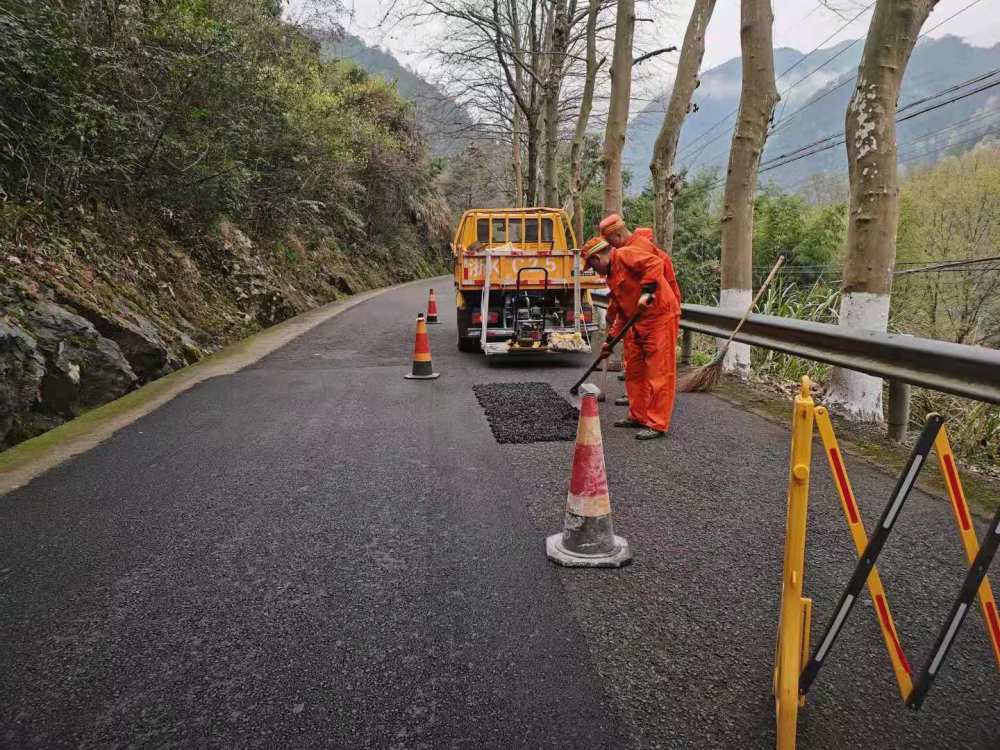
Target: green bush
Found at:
194, 109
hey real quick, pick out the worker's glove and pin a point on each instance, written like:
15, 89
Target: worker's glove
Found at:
605, 351
646, 300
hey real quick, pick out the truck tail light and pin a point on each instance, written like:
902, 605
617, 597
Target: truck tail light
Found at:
477, 318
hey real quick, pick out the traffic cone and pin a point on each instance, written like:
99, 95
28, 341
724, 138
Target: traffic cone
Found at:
422, 368
588, 537
432, 308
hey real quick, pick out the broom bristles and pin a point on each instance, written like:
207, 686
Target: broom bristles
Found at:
703, 379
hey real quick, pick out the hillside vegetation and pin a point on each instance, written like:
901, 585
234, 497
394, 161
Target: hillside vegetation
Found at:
175, 175
444, 124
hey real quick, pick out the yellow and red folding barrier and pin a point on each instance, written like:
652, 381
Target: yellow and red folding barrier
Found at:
795, 669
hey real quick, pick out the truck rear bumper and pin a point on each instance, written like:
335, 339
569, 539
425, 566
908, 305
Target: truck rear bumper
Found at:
503, 334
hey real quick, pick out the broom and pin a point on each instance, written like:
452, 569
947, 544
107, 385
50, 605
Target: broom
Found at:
703, 379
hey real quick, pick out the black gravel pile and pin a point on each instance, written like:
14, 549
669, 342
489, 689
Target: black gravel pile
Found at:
527, 412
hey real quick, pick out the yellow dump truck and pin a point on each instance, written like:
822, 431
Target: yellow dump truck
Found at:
521, 288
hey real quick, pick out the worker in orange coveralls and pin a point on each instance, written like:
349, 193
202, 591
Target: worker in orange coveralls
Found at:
643, 237
637, 277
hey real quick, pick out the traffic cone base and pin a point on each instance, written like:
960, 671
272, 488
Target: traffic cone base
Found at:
422, 367
619, 555
588, 537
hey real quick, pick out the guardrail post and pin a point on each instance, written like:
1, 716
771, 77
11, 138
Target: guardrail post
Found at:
899, 409
686, 341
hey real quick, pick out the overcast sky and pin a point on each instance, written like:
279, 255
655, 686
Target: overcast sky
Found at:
802, 24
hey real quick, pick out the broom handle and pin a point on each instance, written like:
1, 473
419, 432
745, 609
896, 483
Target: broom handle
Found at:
756, 299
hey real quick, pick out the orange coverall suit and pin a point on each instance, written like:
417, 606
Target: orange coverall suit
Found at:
650, 347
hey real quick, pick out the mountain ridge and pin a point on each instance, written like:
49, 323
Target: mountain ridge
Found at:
934, 65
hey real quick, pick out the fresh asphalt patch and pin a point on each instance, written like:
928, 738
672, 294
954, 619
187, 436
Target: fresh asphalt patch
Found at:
527, 412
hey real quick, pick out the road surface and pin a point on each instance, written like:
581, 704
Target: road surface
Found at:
315, 552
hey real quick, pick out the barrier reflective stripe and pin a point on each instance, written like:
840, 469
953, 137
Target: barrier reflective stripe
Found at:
903, 491
994, 621
948, 638
960, 507
838, 470
889, 628
834, 629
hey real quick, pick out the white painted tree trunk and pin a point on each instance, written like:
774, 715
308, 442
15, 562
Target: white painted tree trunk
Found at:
870, 135
757, 98
855, 393
737, 361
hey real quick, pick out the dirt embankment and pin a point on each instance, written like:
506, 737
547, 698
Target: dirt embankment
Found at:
90, 313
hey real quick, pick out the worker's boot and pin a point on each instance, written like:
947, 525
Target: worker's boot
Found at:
623, 401
628, 423
649, 434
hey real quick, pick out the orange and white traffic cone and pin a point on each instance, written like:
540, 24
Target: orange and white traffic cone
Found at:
422, 367
432, 308
588, 537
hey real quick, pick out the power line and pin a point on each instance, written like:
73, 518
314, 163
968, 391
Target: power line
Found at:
910, 156
783, 123
901, 109
988, 114
785, 72
913, 154
919, 265
778, 125
784, 98
838, 139
948, 265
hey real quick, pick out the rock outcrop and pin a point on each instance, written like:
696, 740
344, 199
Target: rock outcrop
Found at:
54, 365
22, 368
88, 314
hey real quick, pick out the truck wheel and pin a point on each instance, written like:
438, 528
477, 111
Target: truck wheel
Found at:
466, 344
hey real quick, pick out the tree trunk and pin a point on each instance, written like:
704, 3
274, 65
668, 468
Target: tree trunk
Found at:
666, 182
515, 158
870, 130
757, 99
553, 86
621, 85
534, 137
536, 39
518, 114
586, 103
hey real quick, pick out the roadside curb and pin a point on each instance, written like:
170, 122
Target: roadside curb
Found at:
29, 459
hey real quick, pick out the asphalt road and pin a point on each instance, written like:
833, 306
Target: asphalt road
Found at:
315, 552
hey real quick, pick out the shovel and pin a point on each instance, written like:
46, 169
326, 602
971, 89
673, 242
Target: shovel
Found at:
575, 390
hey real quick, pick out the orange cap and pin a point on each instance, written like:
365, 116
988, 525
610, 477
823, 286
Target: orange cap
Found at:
611, 223
593, 246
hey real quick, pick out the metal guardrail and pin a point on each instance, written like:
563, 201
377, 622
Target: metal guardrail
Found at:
968, 371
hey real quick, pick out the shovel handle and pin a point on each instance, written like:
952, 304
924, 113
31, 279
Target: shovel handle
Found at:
611, 345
